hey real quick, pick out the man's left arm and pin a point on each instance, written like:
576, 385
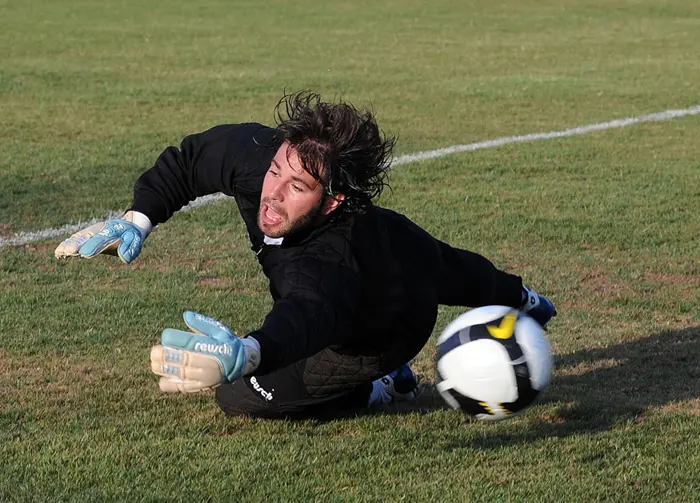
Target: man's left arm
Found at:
468, 279
316, 306
317, 303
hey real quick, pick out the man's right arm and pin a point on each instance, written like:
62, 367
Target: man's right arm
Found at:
227, 158
222, 159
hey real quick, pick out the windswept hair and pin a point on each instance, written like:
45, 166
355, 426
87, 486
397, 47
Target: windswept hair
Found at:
339, 145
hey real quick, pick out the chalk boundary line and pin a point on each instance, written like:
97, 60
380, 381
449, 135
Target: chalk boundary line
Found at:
23, 238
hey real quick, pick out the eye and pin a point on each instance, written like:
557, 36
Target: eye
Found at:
297, 188
274, 172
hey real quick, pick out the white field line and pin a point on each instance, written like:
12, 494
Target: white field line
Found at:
22, 238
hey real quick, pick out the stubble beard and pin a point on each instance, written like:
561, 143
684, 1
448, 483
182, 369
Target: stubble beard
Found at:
286, 228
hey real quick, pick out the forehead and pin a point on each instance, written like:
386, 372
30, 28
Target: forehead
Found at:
287, 158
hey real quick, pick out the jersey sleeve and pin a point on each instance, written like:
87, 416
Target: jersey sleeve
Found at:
228, 158
467, 279
316, 303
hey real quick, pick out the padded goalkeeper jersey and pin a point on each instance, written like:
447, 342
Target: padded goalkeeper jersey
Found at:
366, 283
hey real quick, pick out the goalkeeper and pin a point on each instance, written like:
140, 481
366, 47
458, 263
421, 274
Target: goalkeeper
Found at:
356, 287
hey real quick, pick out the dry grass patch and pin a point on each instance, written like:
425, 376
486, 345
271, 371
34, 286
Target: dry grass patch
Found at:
583, 368
53, 376
686, 407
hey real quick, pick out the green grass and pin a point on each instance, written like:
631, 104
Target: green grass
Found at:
605, 223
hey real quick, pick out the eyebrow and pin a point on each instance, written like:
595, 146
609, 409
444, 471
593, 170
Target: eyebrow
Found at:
294, 177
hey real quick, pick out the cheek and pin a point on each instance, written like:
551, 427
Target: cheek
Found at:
306, 203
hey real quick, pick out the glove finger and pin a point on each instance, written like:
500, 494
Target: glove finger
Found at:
97, 244
130, 246
179, 339
171, 362
69, 247
206, 325
201, 371
169, 385
167, 362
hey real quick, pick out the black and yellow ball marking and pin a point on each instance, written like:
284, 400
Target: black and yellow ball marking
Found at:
486, 408
504, 409
469, 405
506, 328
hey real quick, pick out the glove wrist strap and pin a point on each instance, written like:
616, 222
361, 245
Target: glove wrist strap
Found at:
530, 299
139, 220
252, 355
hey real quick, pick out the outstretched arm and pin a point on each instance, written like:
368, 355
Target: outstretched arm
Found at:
468, 279
228, 159
231, 159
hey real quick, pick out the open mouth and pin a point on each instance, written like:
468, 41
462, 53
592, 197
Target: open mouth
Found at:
270, 216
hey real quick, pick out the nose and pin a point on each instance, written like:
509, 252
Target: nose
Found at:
276, 192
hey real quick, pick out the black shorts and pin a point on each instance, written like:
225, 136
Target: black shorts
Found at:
329, 384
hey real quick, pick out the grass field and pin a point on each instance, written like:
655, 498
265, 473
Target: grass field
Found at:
606, 224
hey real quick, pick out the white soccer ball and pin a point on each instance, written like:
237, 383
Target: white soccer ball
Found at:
492, 362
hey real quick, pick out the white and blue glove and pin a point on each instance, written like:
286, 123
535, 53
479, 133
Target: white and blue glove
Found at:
537, 306
208, 356
120, 236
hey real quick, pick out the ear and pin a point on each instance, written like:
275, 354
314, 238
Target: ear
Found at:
332, 203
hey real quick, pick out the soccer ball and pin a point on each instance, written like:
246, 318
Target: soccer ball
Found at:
492, 362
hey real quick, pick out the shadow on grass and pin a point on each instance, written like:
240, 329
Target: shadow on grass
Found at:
596, 389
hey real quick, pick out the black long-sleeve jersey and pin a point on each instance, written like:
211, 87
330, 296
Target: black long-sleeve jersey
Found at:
365, 283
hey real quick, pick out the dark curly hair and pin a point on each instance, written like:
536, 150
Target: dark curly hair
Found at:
339, 145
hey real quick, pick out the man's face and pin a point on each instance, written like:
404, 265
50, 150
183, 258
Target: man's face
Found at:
291, 198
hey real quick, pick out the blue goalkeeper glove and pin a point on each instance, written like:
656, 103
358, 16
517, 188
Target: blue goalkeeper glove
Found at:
537, 306
208, 356
120, 236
